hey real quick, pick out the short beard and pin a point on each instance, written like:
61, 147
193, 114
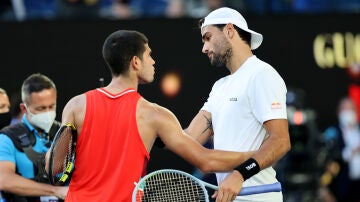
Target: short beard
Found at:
220, 60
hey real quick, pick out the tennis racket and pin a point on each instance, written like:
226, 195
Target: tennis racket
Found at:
62, 155
174, 185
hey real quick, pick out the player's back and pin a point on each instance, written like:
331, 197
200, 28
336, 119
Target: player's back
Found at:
110, 154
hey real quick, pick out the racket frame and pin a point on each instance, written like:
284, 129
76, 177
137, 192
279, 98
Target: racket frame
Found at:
274, 187
70, 164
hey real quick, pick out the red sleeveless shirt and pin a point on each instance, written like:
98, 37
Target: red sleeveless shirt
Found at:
110, 154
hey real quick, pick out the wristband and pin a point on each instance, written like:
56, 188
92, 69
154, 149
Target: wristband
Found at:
248, 168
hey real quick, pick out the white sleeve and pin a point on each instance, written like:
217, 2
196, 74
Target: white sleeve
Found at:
267, 95
208, 104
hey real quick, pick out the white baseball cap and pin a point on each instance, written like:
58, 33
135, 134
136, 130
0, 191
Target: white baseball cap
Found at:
226, 15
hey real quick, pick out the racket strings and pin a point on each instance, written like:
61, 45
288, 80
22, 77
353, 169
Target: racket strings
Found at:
167, 187
68, 155
62, 151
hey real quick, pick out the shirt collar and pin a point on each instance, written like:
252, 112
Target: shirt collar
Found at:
28, 124
32, 129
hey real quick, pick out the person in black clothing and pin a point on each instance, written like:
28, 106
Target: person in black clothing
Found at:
5, 116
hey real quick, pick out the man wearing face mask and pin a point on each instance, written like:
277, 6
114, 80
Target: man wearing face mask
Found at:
350, 130
23, 145
5, 116
343, 142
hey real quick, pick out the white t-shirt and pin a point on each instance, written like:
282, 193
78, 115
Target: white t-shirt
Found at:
239, 105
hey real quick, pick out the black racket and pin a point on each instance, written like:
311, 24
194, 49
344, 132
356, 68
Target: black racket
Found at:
175, 185
62, 155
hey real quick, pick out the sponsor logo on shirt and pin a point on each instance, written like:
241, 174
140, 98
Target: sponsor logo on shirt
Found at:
275, 105
233, 99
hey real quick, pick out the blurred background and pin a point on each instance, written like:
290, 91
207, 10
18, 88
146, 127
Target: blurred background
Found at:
313, 44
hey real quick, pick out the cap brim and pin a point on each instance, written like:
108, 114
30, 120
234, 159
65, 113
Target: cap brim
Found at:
256, 39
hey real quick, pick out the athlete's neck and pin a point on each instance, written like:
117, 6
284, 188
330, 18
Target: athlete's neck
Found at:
119, 84
237, 62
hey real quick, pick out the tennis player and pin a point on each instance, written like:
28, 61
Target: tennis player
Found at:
117, 128
245, 110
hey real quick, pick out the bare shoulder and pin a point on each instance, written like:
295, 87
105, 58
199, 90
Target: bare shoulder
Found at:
156, 121
153, 111
159, 118
75, 103
74, 111
150, 118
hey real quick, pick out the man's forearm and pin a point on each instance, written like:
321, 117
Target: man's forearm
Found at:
221, 161
22, 186
271, 151
276, 144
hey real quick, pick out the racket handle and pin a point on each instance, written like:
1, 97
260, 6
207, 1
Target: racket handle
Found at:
275, 187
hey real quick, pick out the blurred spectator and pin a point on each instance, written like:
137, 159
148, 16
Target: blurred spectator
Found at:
347, 6
312, 6
353, 71
175, 9
79, 9
6, 11
257, 6
342, 174
350, 127
125, 9
299, 168
200, 8
5, 116
305, 6
157, 8
115, 9
149, 9
34, 9
15, 109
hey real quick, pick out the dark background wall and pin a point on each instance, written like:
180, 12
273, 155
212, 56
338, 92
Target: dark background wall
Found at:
70, 53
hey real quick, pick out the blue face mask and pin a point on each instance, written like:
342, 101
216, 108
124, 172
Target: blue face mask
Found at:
5, 119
